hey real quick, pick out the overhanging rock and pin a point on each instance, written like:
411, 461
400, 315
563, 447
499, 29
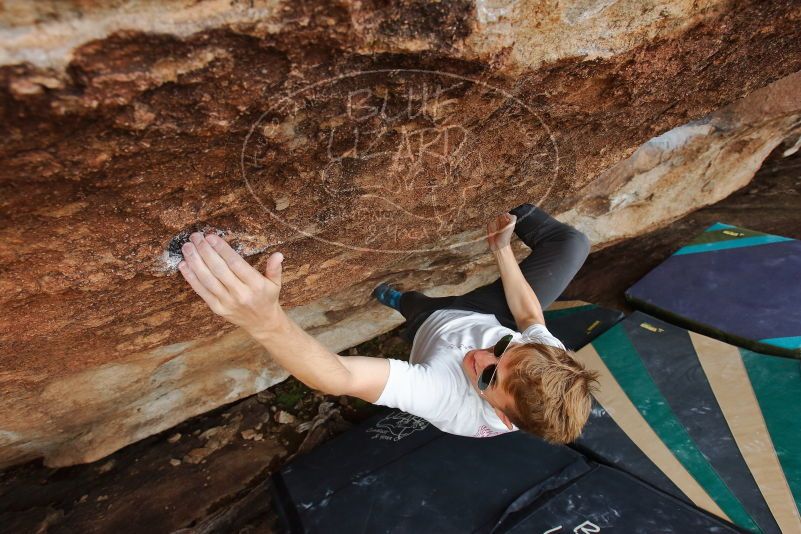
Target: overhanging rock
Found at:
365, 141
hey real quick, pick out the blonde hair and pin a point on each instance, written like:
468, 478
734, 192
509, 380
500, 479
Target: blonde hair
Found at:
552, 391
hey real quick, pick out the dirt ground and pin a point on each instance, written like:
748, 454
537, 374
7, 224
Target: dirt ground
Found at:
207, 474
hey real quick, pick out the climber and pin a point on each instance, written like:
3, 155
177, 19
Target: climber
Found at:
482, 363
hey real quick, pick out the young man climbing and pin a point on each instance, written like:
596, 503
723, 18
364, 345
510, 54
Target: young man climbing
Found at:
481, 364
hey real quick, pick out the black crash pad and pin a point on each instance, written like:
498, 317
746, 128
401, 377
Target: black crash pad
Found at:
396, 473
605, 500
604, 441
576, 323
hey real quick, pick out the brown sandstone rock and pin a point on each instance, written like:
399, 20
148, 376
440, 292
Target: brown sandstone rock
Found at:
364, 141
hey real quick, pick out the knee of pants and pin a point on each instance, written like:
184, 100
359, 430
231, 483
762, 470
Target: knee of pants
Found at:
580, 244
522, 209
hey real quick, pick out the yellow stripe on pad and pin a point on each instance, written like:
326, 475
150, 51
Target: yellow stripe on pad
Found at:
564, 304
620, 408
728, 378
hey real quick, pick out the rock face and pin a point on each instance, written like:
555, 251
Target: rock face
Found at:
366, 141
691, 166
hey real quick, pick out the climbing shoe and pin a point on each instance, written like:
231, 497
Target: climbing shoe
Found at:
388, 296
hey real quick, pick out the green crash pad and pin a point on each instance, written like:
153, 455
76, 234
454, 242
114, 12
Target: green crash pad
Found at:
683, 398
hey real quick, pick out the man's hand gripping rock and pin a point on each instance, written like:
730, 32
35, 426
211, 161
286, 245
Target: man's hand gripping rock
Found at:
229, 285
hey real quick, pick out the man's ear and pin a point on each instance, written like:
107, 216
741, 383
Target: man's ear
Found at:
502, 416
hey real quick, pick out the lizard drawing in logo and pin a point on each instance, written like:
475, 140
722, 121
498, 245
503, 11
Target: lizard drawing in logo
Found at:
396, 426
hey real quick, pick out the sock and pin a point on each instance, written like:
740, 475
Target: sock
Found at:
388, 296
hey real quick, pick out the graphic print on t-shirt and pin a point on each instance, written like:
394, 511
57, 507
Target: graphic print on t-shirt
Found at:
396, 426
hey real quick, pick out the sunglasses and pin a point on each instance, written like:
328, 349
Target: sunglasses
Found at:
487, 376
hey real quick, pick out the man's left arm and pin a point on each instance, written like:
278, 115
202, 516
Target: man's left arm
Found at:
521, 298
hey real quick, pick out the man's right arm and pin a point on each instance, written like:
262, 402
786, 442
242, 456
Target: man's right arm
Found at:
319, 368
310, 362
240, 294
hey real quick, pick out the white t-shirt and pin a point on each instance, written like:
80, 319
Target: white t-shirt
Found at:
433, 385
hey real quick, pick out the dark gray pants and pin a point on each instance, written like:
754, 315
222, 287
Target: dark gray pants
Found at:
558, 252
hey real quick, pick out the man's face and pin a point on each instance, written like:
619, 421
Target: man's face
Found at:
475, 361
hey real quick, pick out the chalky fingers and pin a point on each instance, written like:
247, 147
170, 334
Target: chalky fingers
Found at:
203, 274
212, 301
239, 266
217, 266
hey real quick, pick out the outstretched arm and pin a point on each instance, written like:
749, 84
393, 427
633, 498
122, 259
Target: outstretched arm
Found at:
240, 294
520, 296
